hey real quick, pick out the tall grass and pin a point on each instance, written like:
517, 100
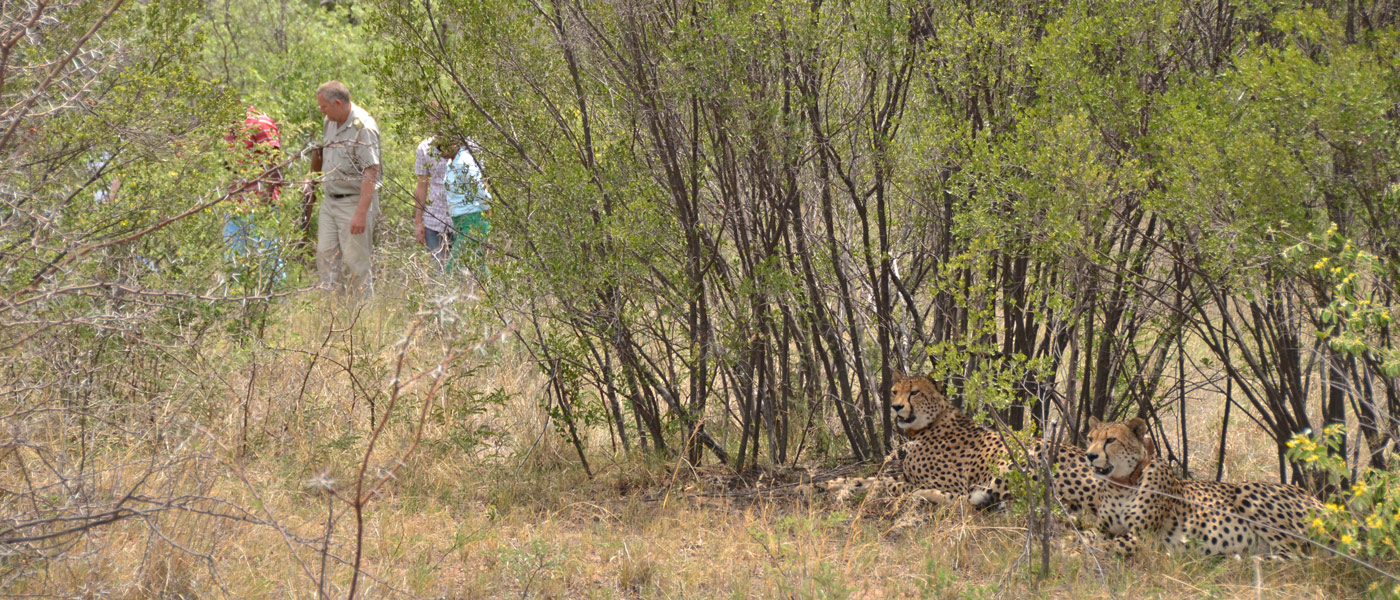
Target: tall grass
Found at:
248, 460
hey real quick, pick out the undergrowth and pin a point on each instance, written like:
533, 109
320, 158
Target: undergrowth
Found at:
270, 435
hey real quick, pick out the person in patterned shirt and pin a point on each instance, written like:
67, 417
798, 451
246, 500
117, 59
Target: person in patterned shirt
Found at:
255, 146
432, 224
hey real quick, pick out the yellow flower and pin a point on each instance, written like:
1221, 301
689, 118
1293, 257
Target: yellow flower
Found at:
1374, 522
1359, 488
1334, 507
1347, 539
1318, 524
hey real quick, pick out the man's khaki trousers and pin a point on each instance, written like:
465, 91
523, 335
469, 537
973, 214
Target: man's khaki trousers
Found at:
342, 259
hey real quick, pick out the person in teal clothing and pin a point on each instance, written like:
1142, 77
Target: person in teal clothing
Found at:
468, 200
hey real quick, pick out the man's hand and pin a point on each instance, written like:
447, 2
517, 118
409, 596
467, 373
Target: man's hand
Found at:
308, 201
420, 232
367, 187
357, 223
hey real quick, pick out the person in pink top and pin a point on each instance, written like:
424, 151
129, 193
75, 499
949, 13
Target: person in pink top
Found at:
255, 147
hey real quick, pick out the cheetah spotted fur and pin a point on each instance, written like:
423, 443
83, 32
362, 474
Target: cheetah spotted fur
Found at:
1143, 498
946, 455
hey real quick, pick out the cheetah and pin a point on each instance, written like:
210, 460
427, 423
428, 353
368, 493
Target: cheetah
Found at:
945, 455
1144, 498
1072, 480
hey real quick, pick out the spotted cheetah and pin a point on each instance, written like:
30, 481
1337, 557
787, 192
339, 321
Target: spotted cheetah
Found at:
1072, 479
946, 455
1143, 498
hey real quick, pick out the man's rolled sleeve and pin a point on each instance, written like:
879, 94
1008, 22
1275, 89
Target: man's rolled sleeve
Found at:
422, 164
367, 148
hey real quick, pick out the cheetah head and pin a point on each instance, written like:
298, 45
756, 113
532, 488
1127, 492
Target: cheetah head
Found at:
916, 403
1118, 451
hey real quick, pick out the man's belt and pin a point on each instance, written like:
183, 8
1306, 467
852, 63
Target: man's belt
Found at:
339, 196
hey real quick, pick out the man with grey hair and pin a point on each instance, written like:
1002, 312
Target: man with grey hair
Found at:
349, 153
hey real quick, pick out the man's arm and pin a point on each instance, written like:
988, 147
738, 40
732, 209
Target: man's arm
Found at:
309, 188
357, 223
420, 197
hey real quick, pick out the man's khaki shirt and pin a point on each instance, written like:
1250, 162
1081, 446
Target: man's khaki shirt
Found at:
349, 150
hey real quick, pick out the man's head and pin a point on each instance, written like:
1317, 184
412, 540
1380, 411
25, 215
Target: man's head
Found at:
445, 144
333, 98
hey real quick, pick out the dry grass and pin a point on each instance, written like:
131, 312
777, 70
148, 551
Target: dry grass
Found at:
512, 515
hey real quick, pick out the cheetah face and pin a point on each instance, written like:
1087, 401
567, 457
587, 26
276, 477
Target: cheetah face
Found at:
916, 403
1117, 449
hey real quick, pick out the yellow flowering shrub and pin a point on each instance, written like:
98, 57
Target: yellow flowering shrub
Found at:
1363, 519
1354, 314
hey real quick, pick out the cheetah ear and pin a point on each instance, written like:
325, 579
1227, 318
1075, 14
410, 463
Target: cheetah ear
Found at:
1138, 427
1149, 446
1094, 421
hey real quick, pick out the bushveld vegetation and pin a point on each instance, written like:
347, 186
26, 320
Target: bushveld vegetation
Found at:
719, 229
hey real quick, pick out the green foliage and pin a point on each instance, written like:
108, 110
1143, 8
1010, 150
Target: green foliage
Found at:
273, 56
689, 188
